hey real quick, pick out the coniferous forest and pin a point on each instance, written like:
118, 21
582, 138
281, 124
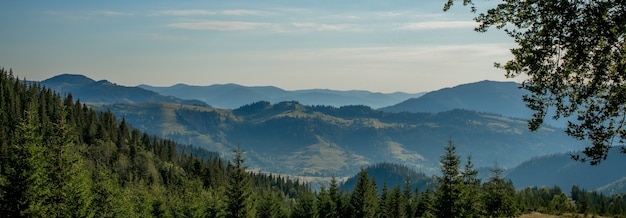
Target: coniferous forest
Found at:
60, 158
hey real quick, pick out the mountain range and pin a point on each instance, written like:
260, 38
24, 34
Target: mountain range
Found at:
291, 138
559, 169
230, 96
503, 98
89, 90
314, 140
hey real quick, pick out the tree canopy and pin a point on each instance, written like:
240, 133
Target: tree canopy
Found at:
573, 54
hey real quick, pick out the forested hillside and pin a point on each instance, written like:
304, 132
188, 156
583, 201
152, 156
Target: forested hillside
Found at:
59, 158
89, 90
231, 96
291, 138
392, 174
560, 170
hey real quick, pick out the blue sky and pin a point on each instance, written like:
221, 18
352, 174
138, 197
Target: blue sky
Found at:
383, 46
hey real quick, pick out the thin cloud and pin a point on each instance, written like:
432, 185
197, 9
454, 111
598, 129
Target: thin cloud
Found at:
186, 12
113, 13
245, 12
220, 25
394, 54
429, 25
162, 37
196, 12
318, 26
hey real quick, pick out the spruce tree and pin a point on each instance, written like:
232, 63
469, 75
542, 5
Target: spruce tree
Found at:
425, 207
397, 203
449, 186
326, 205
337, 199
26, 190
364, 198
72, 187
239, 193
499, 195
305, 206
470, 205
385, 202
271, 205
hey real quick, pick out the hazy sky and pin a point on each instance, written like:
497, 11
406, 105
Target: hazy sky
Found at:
384, 46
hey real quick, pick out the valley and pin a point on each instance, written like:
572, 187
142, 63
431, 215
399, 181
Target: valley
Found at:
316, 141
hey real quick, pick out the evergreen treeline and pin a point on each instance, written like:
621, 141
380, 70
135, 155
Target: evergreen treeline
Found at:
458, 192
59, 158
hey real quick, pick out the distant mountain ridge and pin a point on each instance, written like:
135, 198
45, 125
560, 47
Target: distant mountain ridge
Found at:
231, 96
291, 138
103, 91
392, 174
503, 98
608, 177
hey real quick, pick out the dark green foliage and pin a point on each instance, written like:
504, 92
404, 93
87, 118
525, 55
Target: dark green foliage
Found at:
239, 196
274, 132
27, 188
470, 207
499, 195
364, 198
59, 158
571, 54
393, 174
558, 169
449, 186
272, 205
103, 167
305, 206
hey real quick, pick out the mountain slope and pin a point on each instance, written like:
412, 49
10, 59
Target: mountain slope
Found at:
503, 98
291, 138
231, 96
394, 175
63, 159
88, 90
561, 170
486, 96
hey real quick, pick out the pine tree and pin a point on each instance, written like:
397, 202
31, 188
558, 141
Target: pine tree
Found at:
410, 201
326, 205
337, 199
239, 193
72, 191
385, 202
364, 198
498, 196
305, 206
449, 186
425, 207
397, 203
271, 205
27, 188
470, 205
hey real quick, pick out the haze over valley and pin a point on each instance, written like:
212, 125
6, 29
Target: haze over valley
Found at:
316, 134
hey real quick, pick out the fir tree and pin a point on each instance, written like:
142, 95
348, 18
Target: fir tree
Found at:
239, 194
499, 195
364, 199
449, 186
305, 206
471, 207
26, 190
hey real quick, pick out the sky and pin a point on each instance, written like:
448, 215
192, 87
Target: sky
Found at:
382, 46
